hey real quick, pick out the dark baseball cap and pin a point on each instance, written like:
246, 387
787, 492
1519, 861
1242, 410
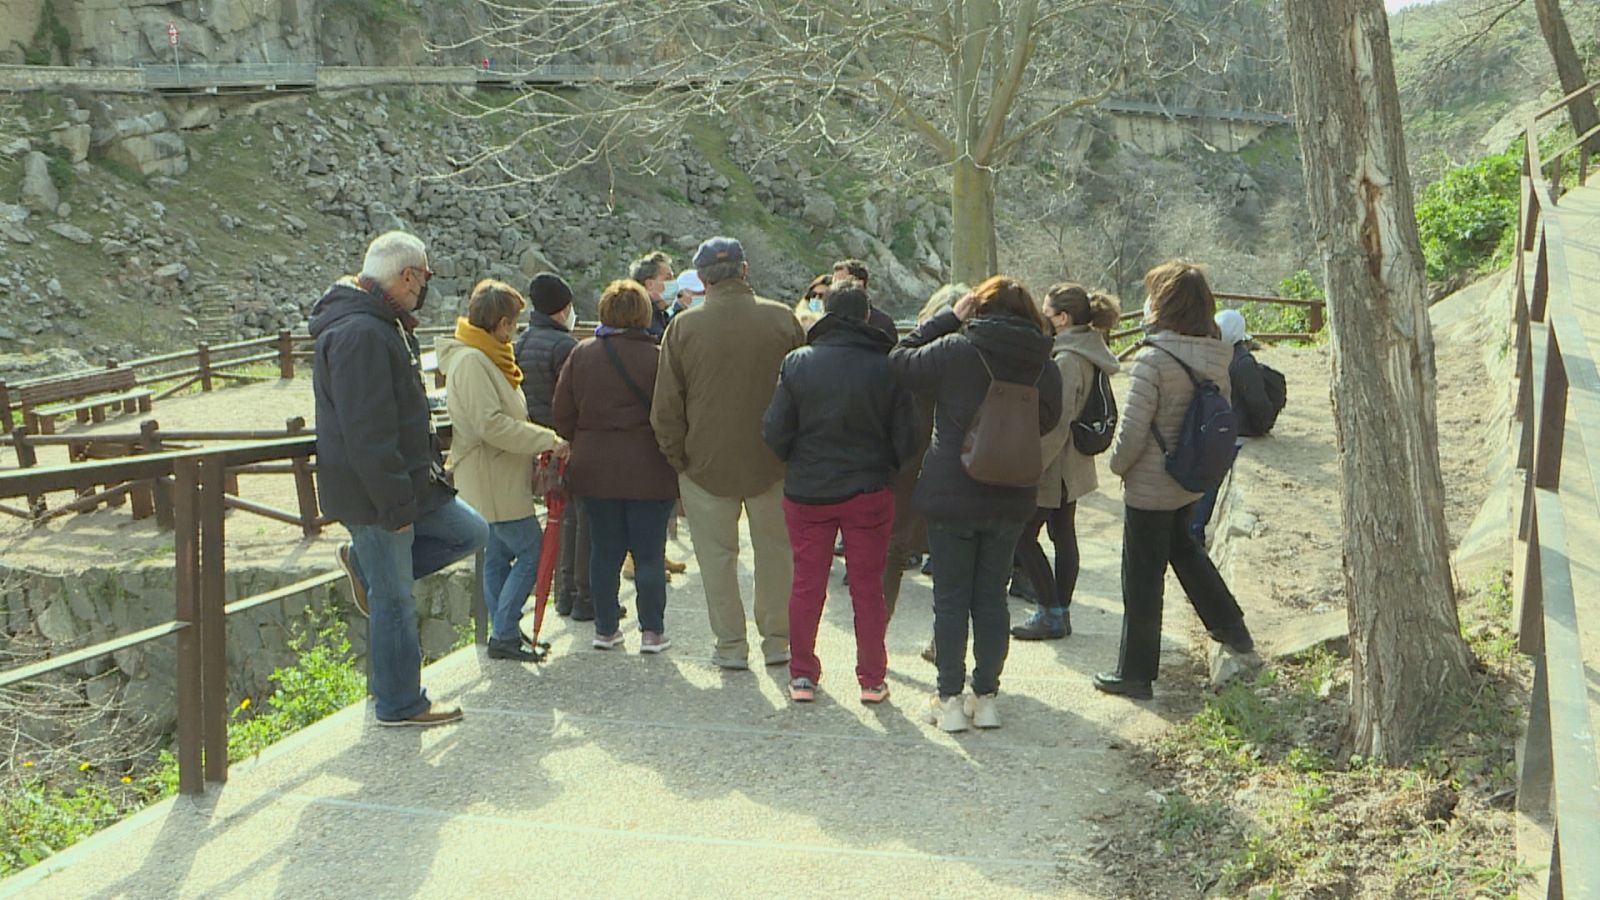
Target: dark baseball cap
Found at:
718, 250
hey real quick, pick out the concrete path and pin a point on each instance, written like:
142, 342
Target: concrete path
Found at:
613, 774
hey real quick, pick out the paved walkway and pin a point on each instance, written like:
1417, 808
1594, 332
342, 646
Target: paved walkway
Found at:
614, 774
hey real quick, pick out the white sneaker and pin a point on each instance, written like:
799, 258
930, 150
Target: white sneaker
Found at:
949, 714
983, 711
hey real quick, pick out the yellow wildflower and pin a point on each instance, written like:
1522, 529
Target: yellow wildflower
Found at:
84, 767
127, 779
27, 764
245, 703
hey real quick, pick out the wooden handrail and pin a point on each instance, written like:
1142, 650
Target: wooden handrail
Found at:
1565, 100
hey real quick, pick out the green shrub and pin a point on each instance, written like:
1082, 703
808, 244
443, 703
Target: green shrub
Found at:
38, 819
1467, 219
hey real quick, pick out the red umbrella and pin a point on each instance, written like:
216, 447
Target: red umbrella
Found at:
549, 479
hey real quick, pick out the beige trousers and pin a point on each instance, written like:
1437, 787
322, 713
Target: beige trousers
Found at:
714, 527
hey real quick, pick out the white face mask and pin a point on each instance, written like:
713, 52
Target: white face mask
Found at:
697, 299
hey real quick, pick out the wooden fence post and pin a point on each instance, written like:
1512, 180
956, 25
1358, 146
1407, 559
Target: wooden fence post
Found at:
160, 487
203, 352
285, 354
27, 458
186, 547
5, 403
305, 486
1316, 317
211, 605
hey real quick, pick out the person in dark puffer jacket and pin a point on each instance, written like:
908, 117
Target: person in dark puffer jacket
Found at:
844, 428
378, 465
973, 527
542, 352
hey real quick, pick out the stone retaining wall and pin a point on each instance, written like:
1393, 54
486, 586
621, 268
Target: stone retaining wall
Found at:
76, 609
39, 78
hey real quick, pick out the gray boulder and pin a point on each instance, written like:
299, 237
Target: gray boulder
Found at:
74, 139
161, 153
72, 233
38, 191
820, 210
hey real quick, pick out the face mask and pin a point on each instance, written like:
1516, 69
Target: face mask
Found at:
814, 305
698, 299
422, 297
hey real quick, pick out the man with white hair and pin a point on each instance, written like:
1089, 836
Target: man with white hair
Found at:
379, 468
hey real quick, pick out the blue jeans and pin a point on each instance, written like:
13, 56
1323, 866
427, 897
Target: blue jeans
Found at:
971, 563
510, 567
390, 563
617, 528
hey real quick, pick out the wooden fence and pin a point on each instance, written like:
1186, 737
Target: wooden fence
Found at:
1558, 778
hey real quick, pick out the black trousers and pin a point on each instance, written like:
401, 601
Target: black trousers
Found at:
1054, 588
572, 574
1151, 541
971, 560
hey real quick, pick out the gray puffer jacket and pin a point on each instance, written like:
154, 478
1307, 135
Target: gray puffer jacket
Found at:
1159, 392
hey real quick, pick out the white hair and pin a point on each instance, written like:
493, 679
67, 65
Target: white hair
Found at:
391, 253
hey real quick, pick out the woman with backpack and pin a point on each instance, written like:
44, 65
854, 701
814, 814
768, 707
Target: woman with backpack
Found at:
990, 352
1182, 364
1088, 418
1254, 403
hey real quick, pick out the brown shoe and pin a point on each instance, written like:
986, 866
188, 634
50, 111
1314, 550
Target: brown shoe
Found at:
345, 553
433, 715
676, 568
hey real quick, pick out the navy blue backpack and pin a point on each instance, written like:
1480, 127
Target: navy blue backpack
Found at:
1204, 451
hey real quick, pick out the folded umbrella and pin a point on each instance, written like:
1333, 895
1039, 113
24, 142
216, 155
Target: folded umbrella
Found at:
550, 479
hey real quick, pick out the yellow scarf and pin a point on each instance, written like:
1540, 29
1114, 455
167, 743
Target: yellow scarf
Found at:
473, 336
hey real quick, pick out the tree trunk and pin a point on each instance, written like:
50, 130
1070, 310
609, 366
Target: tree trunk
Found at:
1406, 648
1569, 69
972, 226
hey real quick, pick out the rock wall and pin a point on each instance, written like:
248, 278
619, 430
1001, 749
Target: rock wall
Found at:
73, 610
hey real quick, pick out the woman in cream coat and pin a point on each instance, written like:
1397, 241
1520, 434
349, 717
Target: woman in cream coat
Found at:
1080, 349
493, 449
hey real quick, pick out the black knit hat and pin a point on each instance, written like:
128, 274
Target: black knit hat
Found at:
549, 293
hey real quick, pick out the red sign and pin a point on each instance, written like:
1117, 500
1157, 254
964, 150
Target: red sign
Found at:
172, 33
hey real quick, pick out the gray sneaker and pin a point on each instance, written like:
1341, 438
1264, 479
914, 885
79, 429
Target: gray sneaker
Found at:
732, 663
654, 642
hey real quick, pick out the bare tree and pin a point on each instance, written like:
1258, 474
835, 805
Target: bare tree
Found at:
1406, 646
1569, 69
966, 78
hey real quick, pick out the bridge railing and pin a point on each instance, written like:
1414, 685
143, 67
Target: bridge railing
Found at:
1576, 152
201, 604
229, 75
1558, 775
1316, 313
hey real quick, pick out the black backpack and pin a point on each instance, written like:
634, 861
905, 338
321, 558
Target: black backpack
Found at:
1277, 389
1097, 421
1204, 451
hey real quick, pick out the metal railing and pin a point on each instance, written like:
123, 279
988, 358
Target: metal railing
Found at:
1558, 387
230, 75
1316, 315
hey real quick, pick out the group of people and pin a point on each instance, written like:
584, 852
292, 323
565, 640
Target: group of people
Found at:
815, 422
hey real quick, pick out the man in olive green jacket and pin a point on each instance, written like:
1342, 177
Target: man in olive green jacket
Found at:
719, 367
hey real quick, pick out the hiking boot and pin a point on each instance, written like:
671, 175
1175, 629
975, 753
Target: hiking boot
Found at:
981, 709
563, 606
513, 649
876, 694
676, 568
654, 642
802, 690
948, 713
931, 653
1113, 683
433, 715
1235, 637
607, 641
1041, 626
345, 553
